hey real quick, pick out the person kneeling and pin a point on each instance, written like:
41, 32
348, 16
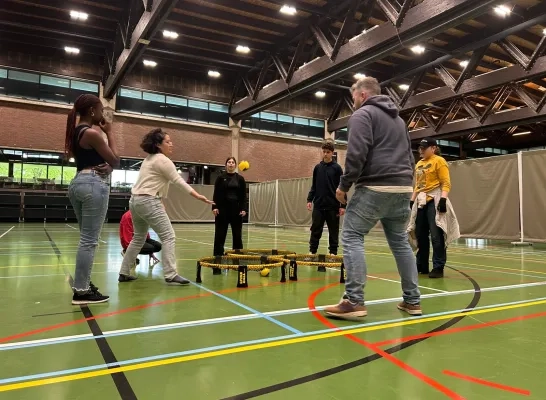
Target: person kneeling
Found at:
126, 232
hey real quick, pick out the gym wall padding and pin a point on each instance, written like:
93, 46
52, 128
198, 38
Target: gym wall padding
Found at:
293, 200
485, 197
534, 195
181, 207
262, 203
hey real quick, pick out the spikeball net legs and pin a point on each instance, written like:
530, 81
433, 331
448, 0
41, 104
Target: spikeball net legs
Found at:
265, 260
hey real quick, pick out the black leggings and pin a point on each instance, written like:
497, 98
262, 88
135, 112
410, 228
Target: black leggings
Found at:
150, 247
228, 216
331, 217
425, 225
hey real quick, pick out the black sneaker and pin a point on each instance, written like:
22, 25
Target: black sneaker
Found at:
91, 297
178, 279
126, 278
436, 273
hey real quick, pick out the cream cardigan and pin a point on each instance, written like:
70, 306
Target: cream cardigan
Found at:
157, 172
447, 222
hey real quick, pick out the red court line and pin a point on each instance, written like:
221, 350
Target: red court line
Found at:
488, 383
461, 329
428, 380
141, 307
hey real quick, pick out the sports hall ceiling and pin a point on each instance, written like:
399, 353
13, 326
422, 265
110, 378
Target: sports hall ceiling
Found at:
460, 69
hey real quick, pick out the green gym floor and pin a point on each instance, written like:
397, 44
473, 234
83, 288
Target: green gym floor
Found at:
481, 326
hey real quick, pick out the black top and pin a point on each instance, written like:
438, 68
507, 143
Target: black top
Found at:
326, 178
85, 158
229, 188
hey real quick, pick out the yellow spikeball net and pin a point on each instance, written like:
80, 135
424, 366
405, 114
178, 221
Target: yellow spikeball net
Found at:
264, 260
242, 263
244, 165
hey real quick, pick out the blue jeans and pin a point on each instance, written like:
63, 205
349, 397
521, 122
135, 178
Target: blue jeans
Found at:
364, 210
89, 195
148, 211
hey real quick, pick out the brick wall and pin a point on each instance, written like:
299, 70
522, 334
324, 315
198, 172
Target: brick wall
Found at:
39, 127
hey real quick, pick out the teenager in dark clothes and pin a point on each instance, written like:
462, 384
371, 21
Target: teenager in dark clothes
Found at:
229, 207
322, 200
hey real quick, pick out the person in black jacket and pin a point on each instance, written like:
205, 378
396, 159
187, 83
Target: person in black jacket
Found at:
229, 207
322, 200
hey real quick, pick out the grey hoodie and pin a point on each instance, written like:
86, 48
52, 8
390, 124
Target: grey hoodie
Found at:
379, 148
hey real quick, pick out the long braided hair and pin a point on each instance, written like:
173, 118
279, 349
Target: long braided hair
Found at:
81, 106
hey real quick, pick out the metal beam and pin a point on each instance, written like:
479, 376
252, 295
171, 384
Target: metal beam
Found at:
347, 26
422, 21
145, 29
322, 40
504, 120
480, 83
148, 5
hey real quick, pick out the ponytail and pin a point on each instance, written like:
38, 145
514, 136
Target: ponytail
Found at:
81, 106
70, 128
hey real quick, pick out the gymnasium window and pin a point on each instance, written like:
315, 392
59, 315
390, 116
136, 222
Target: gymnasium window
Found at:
171, 107
284, 124
44, 87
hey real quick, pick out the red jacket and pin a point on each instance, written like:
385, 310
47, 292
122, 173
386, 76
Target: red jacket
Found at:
126, 230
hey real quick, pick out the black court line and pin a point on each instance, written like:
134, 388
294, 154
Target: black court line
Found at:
120, 380
122, 384
57, 313
52, 243
357, 363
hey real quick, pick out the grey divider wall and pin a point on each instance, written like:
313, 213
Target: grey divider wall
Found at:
534, 195
181, 207
485, 197
262, 203
293, 200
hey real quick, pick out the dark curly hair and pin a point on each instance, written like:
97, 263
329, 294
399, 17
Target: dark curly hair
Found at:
153, 139
328, 145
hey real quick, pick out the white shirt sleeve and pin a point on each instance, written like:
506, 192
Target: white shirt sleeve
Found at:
168, 170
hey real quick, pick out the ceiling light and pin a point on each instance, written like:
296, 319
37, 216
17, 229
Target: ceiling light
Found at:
418, 49
170, 34
149, 63
72, 50
320, 94
359, 76
521, 133
288, 10
464, 63
71, 159
479, 140
544, 32
242, 49
503, 11
404, 87
78, 15
214, 74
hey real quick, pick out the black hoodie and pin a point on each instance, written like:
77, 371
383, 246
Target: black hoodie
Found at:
326, 178
379, 147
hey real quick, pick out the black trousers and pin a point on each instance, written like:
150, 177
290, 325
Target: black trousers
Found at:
424, 225
150, 247
228, 215
331, 217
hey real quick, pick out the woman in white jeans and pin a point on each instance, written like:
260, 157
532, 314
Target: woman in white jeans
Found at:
156, 173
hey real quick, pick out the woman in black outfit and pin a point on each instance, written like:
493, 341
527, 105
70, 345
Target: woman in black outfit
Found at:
229, 207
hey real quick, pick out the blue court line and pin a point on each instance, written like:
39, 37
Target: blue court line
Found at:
240, 344
253, 311
235, 318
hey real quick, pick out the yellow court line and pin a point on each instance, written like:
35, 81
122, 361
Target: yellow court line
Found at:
259, 346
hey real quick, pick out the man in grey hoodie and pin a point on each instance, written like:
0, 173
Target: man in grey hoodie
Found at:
380, 163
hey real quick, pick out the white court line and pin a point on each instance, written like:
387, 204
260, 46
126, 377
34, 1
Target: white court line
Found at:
392, 280
152, 328
76, 229
6, 232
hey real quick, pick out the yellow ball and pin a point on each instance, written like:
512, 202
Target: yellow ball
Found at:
264, 272
244, 165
